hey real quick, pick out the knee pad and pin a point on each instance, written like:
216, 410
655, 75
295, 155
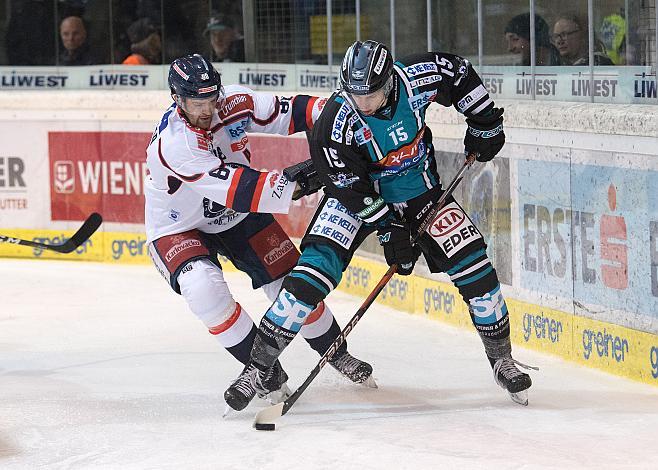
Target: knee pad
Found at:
203, 286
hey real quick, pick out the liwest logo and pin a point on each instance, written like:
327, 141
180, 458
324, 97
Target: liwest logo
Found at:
262, 78
105, 79
645, 87
29, 80
605, 345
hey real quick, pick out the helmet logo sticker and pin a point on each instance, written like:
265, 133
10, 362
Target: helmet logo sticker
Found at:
358, 74
380, 62
180, 72
205, 76
208, 89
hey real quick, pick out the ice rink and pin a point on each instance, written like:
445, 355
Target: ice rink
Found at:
103, 366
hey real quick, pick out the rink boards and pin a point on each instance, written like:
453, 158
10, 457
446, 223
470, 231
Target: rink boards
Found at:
570, 215
615, 349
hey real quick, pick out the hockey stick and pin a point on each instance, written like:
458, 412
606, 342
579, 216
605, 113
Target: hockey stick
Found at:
266, 416
82, 235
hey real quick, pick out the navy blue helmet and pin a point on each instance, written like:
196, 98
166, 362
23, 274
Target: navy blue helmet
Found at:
366, 68
193, 76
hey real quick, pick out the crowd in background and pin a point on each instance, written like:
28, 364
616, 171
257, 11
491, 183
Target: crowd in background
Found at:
139, 32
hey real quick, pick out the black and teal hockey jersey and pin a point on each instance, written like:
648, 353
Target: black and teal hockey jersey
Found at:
369, 162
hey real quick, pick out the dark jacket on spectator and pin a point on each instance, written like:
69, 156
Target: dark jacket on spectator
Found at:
80, 56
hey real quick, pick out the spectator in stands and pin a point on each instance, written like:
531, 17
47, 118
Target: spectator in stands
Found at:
613, 38
571, 37
226, 41
517, 34
76, 50
145, 43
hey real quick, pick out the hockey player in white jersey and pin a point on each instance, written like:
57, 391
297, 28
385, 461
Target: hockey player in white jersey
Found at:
204, 200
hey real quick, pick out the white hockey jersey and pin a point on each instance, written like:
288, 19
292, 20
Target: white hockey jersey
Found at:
200, 179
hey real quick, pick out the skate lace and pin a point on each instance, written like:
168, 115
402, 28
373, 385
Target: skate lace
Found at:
506, 366
250, 382
346, 363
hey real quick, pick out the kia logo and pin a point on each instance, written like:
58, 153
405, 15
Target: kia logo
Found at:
446, 221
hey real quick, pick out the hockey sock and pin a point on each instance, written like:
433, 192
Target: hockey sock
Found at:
491, 320
321, 329
242, 350
236, 334
278, 328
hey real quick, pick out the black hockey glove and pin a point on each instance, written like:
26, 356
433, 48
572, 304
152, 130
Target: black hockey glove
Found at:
305, 176
485, 136
396, 240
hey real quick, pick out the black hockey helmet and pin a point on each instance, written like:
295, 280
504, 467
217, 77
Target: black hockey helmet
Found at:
193, 76
367, 67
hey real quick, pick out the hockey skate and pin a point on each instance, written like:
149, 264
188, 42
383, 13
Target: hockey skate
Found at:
509, 377
270, 385
352, 368
276, 381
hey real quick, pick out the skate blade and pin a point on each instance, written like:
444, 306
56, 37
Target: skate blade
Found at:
227, 411
370, 382
520, 397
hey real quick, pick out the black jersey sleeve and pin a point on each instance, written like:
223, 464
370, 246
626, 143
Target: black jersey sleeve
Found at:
341, 167
449, 79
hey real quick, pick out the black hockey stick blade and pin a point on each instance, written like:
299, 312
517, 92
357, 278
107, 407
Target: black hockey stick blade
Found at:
82, 235
272, 413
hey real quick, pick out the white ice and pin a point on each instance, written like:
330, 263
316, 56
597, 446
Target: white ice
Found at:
102, 366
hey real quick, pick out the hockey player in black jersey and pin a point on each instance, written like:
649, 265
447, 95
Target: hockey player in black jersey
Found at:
373, 151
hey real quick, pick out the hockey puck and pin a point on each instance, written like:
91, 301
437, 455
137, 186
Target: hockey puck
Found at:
264, 426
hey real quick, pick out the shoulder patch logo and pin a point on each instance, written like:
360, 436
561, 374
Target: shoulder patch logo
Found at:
339, 124
235, 103
417, 69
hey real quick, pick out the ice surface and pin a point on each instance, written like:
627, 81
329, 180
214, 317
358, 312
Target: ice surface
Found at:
102, 366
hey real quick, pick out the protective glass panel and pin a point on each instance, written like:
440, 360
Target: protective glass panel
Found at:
39, 46
410, 27
222, 35
506, 32
137, 33
83, 33
376, 17
183, 24
455, 28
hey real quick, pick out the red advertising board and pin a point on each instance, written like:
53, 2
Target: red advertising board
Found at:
104, 172
97, 172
